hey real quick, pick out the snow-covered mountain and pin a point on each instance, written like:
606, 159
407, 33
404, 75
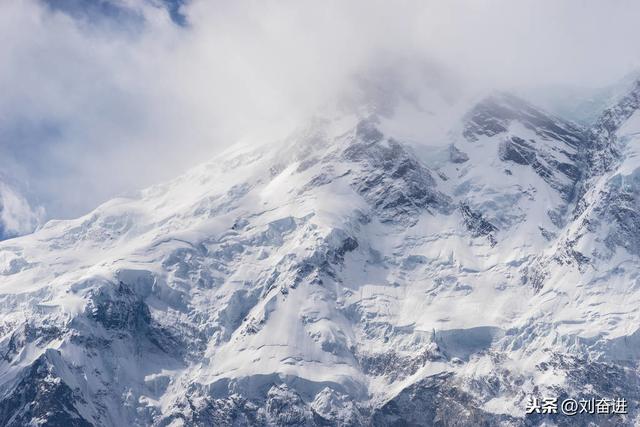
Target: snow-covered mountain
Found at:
344, 276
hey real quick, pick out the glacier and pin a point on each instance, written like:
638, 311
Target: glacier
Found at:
346, 275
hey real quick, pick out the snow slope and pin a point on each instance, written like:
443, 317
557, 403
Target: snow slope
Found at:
343, 276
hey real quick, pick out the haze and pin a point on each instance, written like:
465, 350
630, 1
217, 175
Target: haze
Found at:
98, 101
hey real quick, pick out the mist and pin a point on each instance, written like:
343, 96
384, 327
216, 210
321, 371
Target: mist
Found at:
100, 102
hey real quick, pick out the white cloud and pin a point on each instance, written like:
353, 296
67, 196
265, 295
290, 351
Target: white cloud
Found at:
17, 217
89, 109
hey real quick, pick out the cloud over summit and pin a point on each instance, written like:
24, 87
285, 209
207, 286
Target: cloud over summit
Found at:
94, 106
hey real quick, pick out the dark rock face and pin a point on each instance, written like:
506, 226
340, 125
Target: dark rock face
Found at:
284, 407
436, 401
125, 317
618, 207
494, 115
394, 366
590, 379
457, 156
477, 225
30, 332
120, 309
623, 209
392, 179
555, 153
42, 395
604, 150
234, 411
519, 151
279, 406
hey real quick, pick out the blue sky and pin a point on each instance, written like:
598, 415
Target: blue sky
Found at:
103, 97
119, 13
